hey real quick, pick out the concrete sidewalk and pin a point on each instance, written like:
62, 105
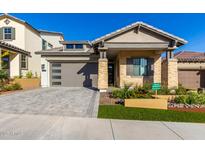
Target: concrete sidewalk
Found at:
24, 126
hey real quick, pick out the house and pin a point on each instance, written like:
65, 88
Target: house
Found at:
191, 69
19, 33
130, 55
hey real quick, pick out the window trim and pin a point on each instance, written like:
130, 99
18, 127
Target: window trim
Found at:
74, 47
26, 61
79, 48
148, 71
46, 44
4, 34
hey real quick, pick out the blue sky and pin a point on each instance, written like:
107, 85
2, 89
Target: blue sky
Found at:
81, 26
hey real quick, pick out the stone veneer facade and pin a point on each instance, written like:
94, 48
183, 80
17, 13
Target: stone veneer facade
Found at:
170, 73
102, 74
125, 79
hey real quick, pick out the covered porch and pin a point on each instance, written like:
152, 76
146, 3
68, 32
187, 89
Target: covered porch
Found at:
10, 58
132, 55
130, 64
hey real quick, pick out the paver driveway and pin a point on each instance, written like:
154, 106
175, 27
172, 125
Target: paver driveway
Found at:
63, 101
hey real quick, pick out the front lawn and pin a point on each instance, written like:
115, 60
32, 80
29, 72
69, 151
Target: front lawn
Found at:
121, 112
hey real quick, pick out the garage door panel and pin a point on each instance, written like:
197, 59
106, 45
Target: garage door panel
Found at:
77, 74
190, 79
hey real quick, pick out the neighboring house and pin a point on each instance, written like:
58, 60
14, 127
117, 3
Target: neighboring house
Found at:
191, 69
131, 55
22, 35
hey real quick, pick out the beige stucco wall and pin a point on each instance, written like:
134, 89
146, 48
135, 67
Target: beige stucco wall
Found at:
33, 43
20, 33
141, 36
53, 39
125, 79
14, 65
191, 66
19, 42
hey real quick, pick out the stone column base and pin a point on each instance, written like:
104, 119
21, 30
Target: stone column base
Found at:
172, 73
103, 74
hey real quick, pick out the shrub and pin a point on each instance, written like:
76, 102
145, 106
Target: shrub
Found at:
29, 74
181, 90
128, 92
164, 91
3, 76
190, 98
180, 99
14, 86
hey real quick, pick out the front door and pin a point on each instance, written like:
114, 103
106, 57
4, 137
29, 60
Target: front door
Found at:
111, 74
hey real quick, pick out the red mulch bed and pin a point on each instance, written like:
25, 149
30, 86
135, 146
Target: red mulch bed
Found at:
187, 109
106, 100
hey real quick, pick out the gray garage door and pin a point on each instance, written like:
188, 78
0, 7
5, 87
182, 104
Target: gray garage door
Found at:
74, 74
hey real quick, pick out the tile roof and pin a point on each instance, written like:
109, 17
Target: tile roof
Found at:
8, 46
190, 56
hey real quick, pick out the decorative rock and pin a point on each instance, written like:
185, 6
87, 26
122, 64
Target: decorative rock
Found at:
173, 91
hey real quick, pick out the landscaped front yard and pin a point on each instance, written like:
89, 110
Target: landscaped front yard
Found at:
121, 112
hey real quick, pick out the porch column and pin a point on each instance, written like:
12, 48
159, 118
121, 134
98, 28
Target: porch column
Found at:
157, 69
102, 71
172, 75
172, 71
0, 59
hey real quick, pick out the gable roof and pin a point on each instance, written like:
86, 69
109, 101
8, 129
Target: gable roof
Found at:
28, 25
190, 56
141, 24
8, 46
50, 32
19, 21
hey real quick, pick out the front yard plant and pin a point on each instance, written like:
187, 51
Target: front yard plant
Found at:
133, 92
10, 87
191, 98
29, 74
3, 77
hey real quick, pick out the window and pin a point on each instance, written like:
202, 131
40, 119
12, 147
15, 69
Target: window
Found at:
56, 77
139, 66
56, 71
56, 65
50, 45
79, 46
56, 83
44, 44
70, 46
7, 33
74, 46
23, 62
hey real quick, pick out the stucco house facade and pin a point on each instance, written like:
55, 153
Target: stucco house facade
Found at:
19, 33
130, 55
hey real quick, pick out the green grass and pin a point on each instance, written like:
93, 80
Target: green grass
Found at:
121, 112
